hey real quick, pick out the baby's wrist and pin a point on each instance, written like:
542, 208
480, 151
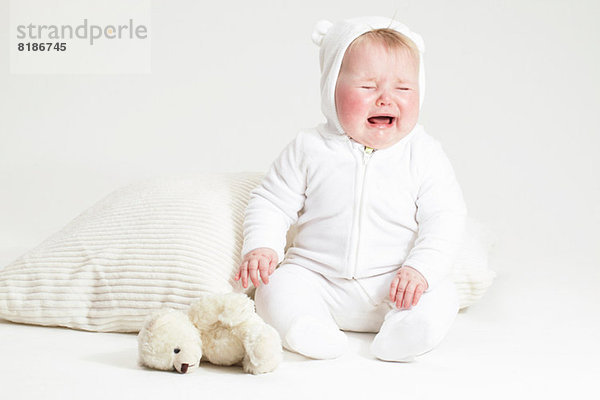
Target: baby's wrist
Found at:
261, 252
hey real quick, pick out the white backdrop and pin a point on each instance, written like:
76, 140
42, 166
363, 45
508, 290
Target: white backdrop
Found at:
512, 93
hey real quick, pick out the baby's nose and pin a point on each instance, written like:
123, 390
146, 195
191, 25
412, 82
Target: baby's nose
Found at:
383, 100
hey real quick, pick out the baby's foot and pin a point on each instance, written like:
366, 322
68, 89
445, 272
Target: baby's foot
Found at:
314, 338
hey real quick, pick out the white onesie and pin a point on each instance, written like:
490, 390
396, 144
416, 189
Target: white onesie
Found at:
360, 215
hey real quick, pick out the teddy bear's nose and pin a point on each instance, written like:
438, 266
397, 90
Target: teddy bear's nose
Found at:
184, 368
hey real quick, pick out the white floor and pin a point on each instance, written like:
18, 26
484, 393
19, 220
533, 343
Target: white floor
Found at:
532, 336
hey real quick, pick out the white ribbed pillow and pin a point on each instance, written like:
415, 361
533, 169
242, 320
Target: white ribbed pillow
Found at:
154, 244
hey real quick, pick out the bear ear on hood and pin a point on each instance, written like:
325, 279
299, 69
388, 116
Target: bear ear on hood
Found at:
321, 29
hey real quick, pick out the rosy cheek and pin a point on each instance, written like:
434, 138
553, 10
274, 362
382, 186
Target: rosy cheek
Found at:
408, 102
350, 103
410, 110
356, 103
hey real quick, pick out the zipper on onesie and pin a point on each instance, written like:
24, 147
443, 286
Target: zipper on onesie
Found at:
358, 210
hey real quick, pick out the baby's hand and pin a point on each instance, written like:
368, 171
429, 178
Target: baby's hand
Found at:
407, 287
262, 260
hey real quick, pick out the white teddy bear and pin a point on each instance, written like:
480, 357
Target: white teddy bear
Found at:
223, 329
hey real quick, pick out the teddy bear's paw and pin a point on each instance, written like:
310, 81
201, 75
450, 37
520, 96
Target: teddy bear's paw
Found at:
237, 308
263, 351
228, 309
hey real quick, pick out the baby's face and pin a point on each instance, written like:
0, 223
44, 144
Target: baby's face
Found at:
377, 94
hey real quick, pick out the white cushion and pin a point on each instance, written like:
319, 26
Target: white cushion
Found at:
154, 244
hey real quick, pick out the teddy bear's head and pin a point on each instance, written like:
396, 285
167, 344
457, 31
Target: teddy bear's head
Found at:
170, 341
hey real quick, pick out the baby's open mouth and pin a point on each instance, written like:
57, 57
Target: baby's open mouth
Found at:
381, 120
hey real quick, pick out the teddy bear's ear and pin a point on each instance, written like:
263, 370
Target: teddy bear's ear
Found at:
154, 319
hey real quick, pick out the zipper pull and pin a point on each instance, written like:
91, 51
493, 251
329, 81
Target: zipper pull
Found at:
367, 152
